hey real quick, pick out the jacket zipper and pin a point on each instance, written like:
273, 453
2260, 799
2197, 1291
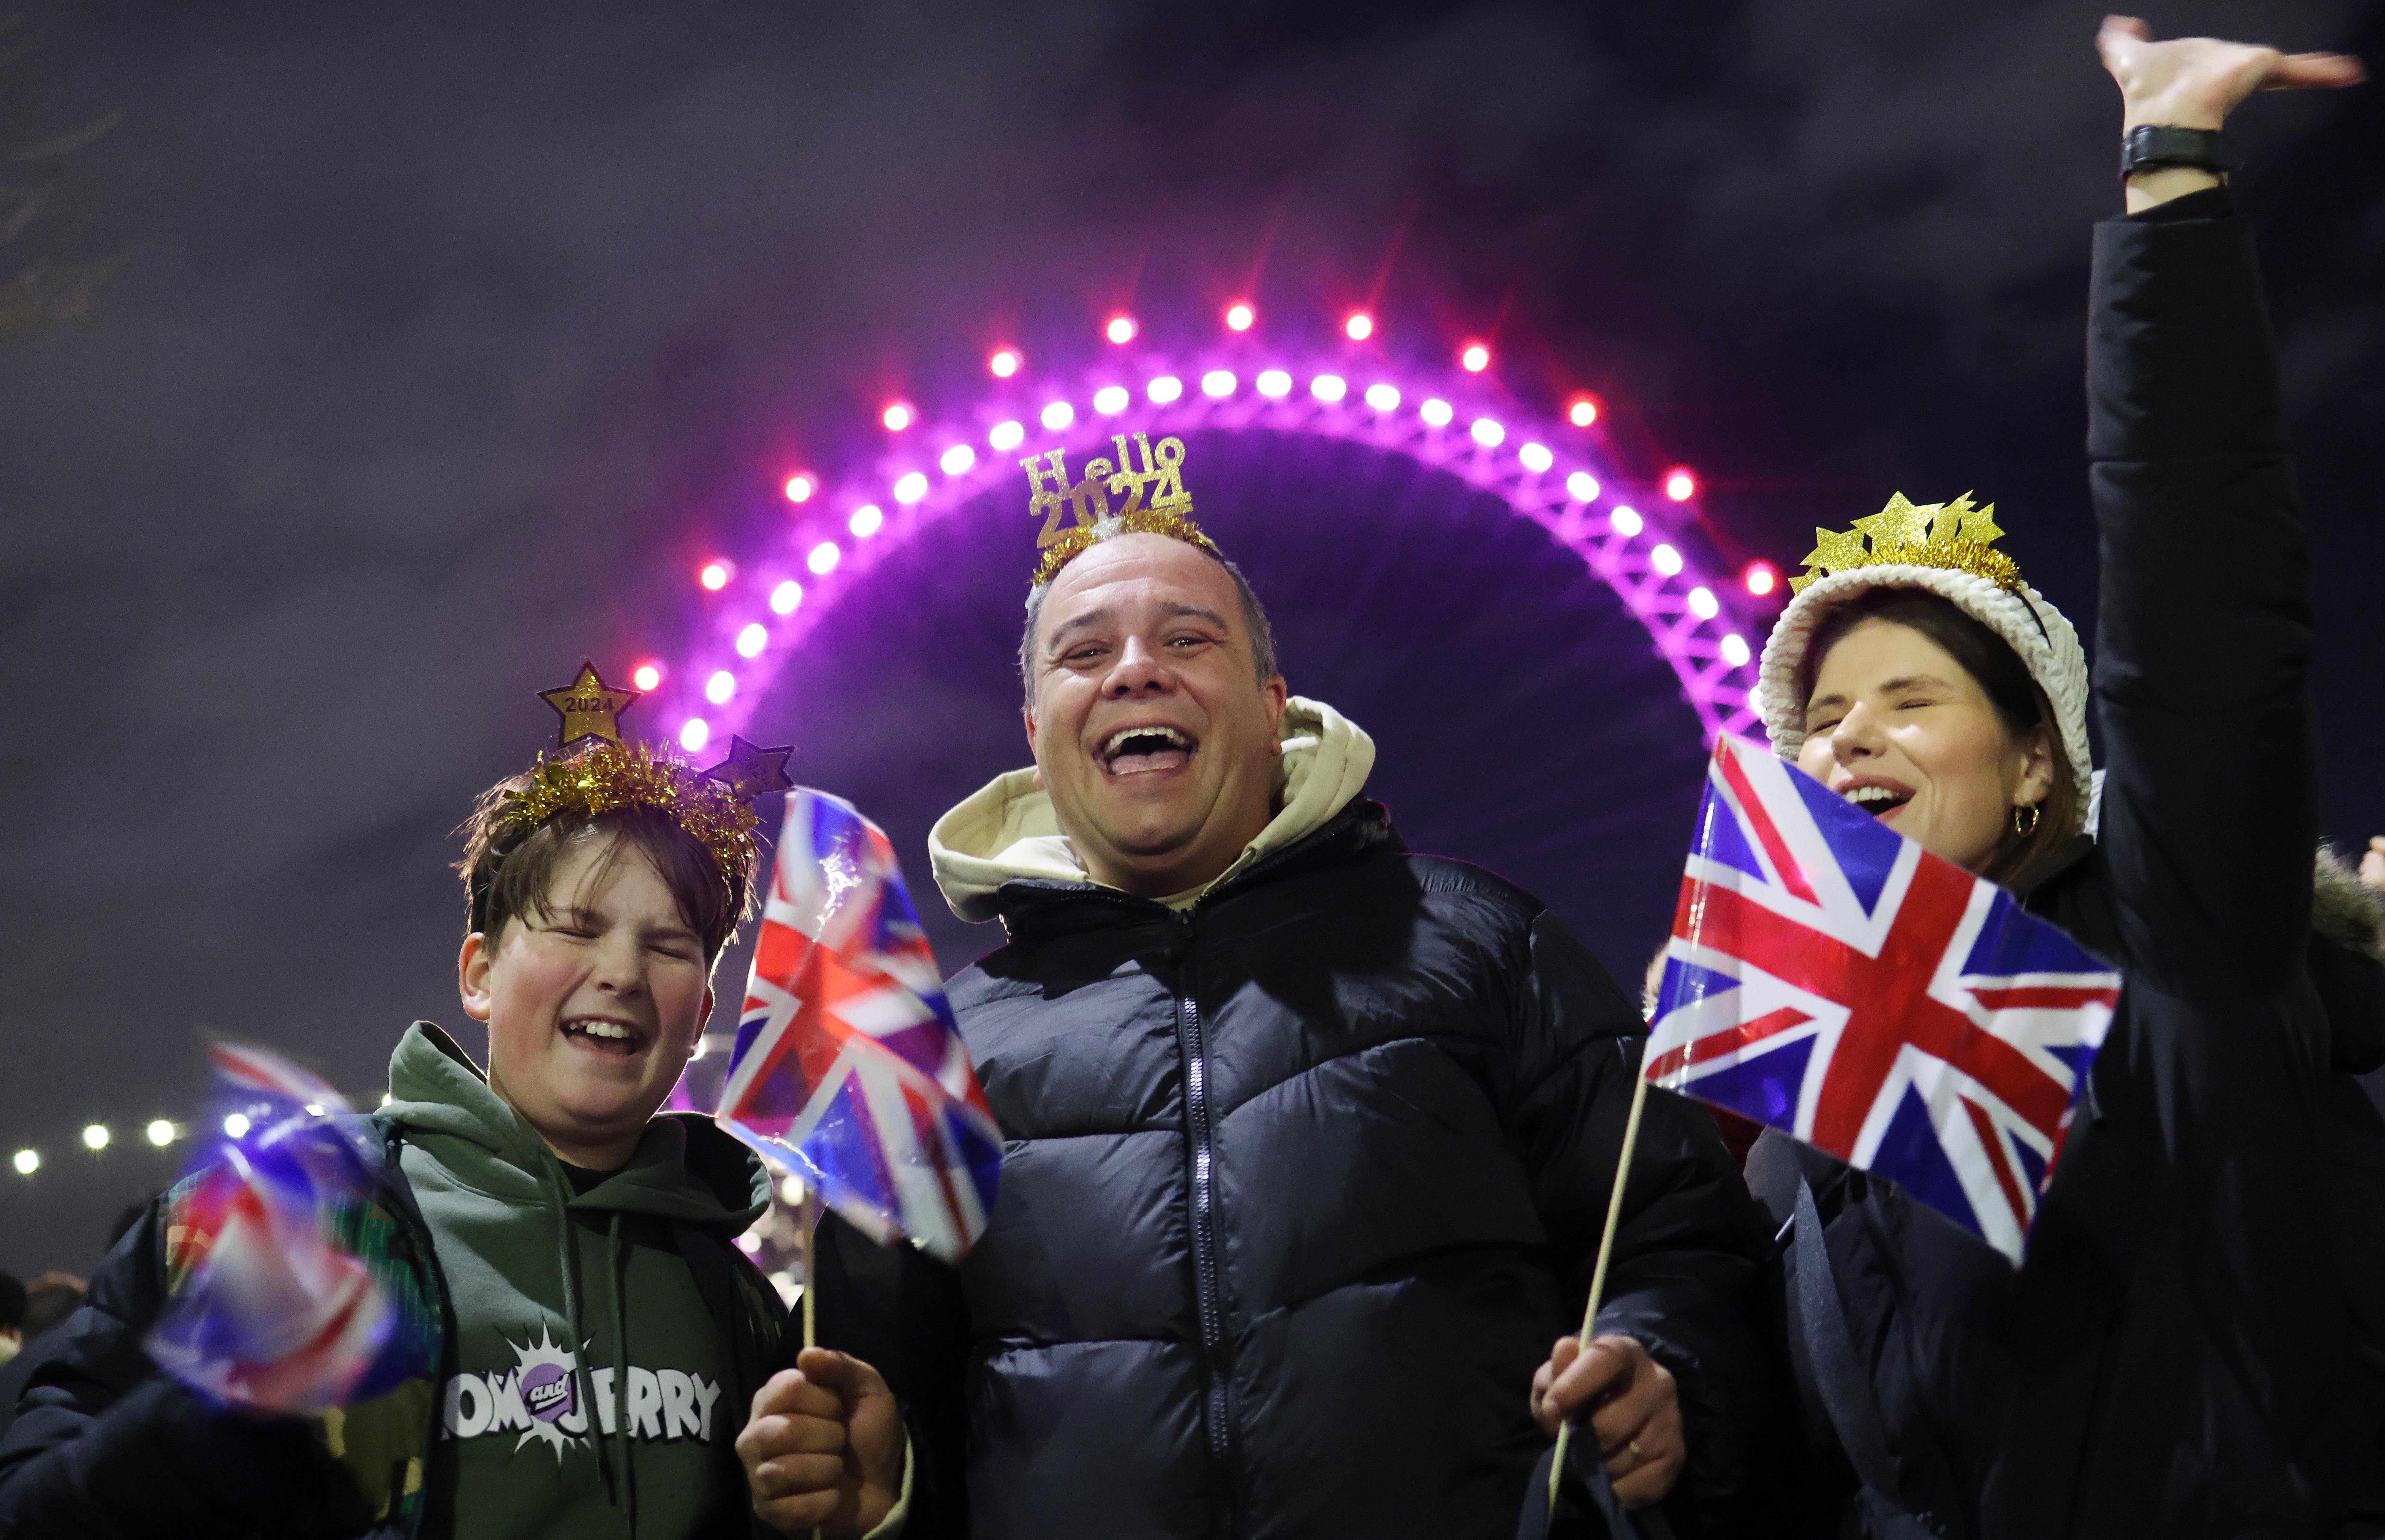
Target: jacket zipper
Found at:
1204, 1231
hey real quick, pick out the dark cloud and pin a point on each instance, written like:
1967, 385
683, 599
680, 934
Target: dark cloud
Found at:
444, 341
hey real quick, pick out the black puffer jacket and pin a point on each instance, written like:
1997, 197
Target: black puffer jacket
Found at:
1301, 1185
2195, 1344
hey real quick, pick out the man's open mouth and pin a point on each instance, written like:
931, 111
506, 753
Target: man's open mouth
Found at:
1876, 800
602, 1034
1141, 750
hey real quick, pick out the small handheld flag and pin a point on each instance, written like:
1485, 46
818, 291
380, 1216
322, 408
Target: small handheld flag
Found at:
1830, 977
268, 1309
848, 1066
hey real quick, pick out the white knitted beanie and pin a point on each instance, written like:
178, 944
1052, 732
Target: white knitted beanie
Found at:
2046, 641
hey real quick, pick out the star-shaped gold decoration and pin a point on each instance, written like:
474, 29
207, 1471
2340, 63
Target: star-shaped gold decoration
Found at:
1836, 551
1899, 523
749, 772
589, 706
1959, 519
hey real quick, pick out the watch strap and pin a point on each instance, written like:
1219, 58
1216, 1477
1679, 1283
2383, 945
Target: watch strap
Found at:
2152, 145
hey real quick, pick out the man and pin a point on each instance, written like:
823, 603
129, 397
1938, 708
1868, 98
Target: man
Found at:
1310, 1142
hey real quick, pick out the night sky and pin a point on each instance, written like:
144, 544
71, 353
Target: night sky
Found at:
437, 346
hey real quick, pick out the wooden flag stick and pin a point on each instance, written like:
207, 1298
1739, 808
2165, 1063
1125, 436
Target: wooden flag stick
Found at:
1598, 1272
811, 1262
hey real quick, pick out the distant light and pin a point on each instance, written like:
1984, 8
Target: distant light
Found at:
1582, 487
1584, 412
1007, 436
1239, 317
1626, 521
1120, 329
1328, 387
1058, 415
715, 575
823, 558
910, 487
800, 488
867, 521
1476, 357
647, 674
27, 1161
719, 687
750, 1244
703, 1041
1536, 458
786, 596
791, 1191
1217, 383
960, 457
1164, 389
1665, 559
694, 734
1755, 696
94, 1136
1382, 397
1761, 578
752, 639
1005, 363
899, 415
1734, 650
1359, 327
161, 1133
236, 1126
1679, 485
1486, 433
1110, 400
1275, 383
314, 1110
1703, 604
386, 1098
1437, 412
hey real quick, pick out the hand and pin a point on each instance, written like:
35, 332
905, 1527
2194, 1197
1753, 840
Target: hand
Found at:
824, 1448
1637, 1415
2194, 82
2372, 865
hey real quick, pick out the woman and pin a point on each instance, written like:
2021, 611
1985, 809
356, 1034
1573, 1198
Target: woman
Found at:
2195, 1344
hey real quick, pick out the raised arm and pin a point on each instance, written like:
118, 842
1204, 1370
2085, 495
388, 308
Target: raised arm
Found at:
2203, 639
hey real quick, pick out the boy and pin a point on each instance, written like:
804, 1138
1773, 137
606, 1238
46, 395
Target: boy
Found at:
594, 1337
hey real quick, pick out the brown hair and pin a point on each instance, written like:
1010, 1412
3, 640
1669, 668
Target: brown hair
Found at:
2020, 706
506, 874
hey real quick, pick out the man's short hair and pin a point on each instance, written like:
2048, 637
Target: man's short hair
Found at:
1254, 616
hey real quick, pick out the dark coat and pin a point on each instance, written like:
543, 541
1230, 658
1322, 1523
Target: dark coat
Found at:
2195, 1344
104, 1446
1300, 1184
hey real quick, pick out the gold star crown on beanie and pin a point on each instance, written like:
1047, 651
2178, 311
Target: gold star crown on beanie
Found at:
1955, 536
1156, 502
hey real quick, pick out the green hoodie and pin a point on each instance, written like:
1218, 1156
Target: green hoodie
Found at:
565, 1302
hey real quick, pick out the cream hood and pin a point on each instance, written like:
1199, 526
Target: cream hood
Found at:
1005, 831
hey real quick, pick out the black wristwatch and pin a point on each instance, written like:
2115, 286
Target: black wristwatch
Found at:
2153, 145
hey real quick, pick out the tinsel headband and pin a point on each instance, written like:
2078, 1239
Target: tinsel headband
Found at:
1953, 536
607, 775
1156, 502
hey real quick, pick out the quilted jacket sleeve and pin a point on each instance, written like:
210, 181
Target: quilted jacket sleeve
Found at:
904, 1315
1690, 1246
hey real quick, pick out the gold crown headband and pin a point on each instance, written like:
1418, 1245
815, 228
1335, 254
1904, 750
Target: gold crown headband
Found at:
1156, 502
1953, 536
609, 775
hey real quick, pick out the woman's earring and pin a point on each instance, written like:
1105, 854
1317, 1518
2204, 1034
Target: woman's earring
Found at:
2025, 829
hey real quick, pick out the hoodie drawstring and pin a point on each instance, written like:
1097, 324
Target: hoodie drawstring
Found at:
622, 1361
580, 1345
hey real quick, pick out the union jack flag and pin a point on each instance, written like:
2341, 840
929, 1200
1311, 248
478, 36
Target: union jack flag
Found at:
848, 1066
268, 1305
1830, 977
